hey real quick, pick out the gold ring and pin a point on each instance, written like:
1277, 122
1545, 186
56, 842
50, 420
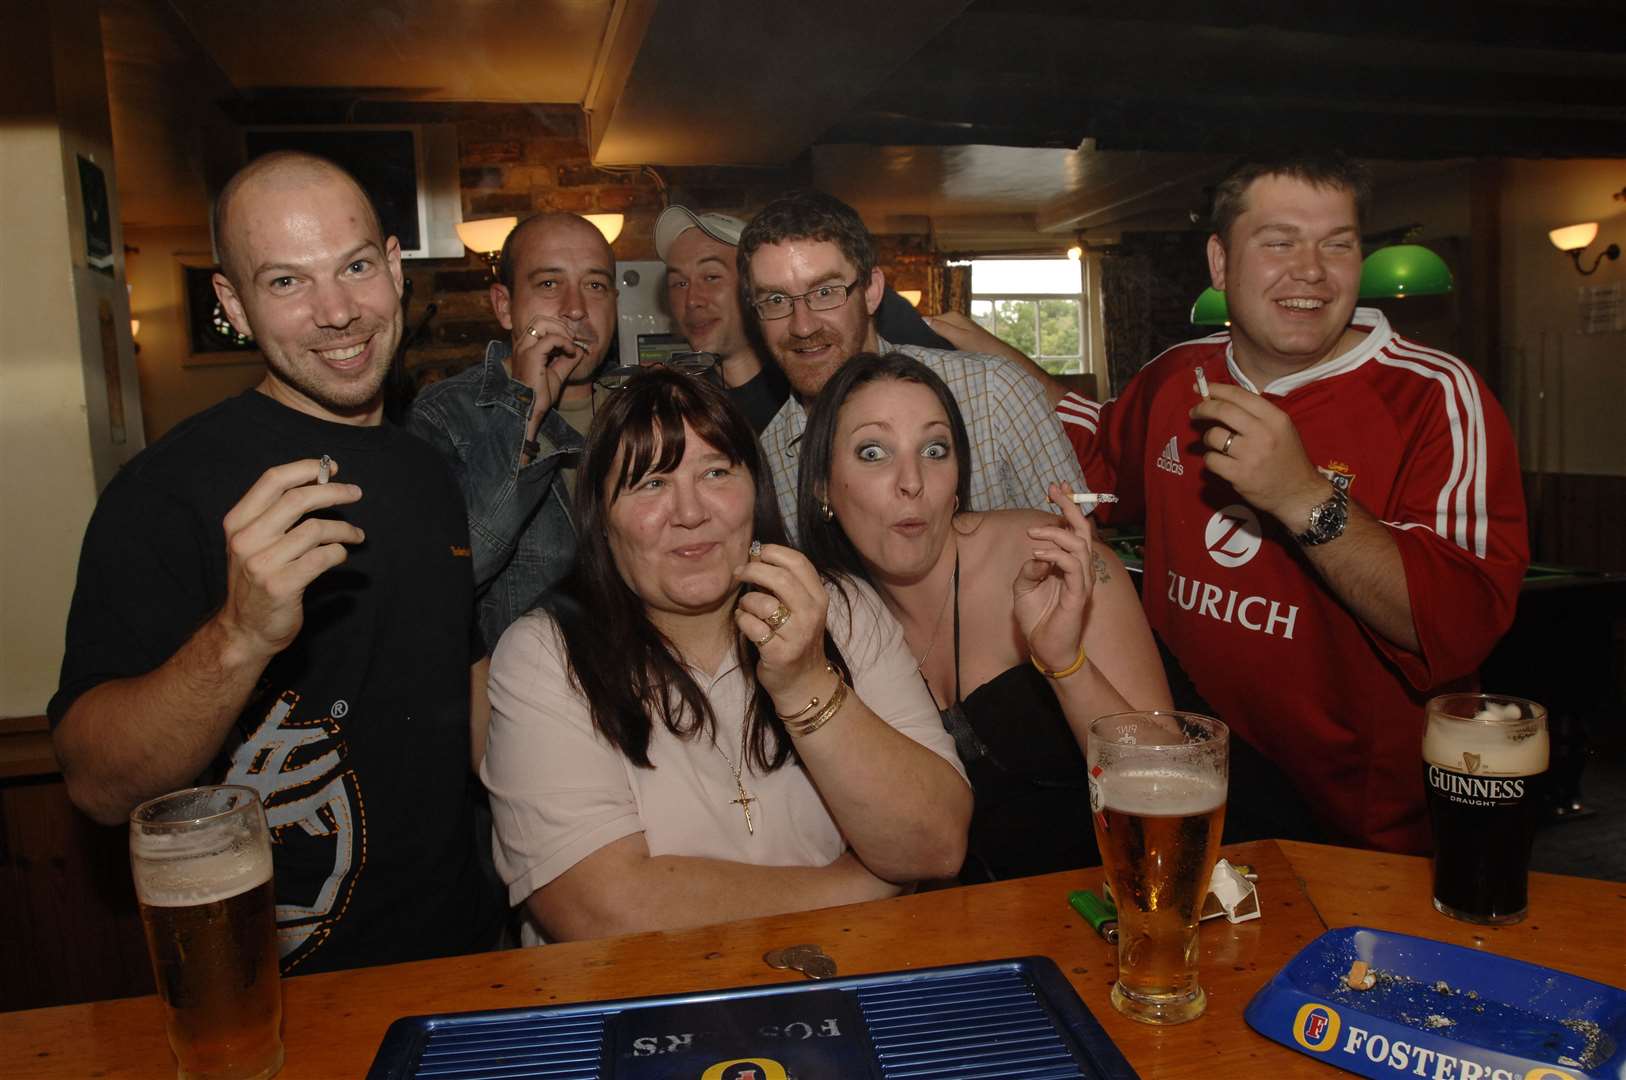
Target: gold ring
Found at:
1226, 449
778, 617
531, 330
764, 639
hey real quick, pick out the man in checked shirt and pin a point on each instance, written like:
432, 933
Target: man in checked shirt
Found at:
808, 272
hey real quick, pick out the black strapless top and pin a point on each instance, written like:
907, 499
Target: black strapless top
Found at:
1032, 813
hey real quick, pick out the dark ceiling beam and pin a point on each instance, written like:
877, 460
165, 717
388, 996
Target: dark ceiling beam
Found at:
1585, 26
1188, 126
723, 83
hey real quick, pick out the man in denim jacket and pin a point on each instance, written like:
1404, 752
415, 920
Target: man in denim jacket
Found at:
511, 427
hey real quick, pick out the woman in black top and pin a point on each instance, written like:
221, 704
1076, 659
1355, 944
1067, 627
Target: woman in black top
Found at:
1023, 628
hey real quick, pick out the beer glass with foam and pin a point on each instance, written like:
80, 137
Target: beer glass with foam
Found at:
1484, 763
1157, 796
202, 865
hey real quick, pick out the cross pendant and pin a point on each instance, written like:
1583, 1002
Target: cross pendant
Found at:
744, 803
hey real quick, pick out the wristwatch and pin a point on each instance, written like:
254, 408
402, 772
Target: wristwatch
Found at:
1327, 520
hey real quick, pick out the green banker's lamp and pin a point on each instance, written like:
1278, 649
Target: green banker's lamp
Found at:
1210, 309
1402, 270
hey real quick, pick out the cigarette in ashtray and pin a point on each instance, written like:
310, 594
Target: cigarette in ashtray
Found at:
1202, 381
1360, 976
1093, 498
324, 469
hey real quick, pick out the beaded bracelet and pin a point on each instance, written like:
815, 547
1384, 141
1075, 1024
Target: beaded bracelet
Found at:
1064, 672
838, 698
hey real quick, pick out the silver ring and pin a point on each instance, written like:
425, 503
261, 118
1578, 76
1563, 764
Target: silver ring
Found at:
1226, 449
777, 618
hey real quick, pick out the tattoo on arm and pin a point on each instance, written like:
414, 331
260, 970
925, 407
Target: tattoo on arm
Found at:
1100, 565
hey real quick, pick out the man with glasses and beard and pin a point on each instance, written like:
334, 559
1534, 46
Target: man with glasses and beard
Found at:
277, 594
512, 426
808, 269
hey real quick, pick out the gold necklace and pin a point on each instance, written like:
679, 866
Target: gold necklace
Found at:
745, 798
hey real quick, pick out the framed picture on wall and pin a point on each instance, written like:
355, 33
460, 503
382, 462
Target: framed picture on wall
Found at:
210, 337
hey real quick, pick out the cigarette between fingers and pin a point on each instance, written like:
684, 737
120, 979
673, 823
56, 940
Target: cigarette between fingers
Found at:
579, 343
324, 469
1202, 381
1093, 498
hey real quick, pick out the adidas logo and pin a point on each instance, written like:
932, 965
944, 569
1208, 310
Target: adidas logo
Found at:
1169, 459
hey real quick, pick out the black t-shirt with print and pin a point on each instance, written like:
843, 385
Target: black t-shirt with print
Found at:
357, 736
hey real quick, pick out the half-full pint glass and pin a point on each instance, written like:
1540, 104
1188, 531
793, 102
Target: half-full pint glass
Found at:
1157, 794
202, 864
1484, 765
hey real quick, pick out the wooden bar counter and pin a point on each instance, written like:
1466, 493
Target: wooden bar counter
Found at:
333, 1022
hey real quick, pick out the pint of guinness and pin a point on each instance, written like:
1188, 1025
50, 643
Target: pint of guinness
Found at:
202, 865
1484, 762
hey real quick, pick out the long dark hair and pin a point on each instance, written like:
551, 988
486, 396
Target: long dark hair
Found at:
826, 542
625, 667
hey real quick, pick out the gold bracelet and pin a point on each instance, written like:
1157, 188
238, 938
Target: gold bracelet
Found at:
810, 706
838, 698
1064, 672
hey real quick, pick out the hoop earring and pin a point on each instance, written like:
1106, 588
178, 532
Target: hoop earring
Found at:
824, 510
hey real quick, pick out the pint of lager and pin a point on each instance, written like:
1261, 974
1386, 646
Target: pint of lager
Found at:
1157, 796
202, 865
1484, 763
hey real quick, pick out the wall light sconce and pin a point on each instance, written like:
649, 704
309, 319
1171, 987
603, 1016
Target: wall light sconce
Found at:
485, 238
608, 224
1574, 239
135, 332
911, 295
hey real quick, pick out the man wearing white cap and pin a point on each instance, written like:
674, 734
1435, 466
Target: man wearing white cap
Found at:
702, 287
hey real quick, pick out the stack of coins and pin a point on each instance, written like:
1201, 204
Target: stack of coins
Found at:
810, 960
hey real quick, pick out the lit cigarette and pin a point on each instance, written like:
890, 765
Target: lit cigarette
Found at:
1202, 382
324, 469
756, 549
580, 344
1093, 498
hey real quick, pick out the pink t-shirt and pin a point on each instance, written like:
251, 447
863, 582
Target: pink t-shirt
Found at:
559, 791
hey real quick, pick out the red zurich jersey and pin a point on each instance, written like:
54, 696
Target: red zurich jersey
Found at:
1412, 435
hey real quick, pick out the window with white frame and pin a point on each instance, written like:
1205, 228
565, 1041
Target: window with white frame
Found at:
1036, 305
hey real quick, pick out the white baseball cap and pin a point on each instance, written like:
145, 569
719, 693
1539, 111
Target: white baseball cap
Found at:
676, 220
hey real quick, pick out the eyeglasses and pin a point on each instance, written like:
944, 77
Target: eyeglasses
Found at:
823, 298
702, 365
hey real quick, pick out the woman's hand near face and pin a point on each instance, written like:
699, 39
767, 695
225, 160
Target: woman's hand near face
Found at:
791, 657
1051, 593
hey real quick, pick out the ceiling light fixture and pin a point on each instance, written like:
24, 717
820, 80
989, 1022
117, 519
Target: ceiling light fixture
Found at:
485, 238
1402, 270
608, 224
1574, 239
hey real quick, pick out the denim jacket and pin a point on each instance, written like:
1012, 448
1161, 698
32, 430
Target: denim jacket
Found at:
521, 529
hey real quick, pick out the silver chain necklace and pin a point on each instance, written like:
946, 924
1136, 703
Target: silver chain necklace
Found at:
937, 627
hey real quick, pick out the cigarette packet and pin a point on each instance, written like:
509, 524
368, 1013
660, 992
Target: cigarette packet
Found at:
1093, 498
1202, 382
